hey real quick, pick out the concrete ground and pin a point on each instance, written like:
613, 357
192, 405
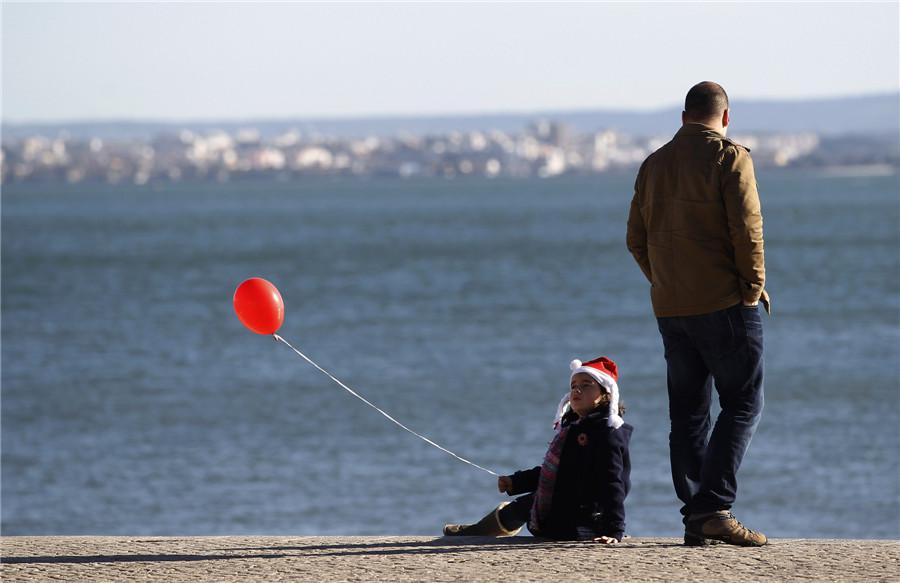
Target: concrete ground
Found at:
420, 558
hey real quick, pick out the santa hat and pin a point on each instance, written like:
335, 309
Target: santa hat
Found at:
606, 373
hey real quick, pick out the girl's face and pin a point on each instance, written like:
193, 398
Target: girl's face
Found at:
585, 394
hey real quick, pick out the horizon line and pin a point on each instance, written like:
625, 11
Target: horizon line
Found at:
422, 115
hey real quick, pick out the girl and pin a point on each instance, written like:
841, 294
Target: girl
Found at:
579, 491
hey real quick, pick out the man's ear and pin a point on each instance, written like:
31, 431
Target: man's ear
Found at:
725, 119
683, 117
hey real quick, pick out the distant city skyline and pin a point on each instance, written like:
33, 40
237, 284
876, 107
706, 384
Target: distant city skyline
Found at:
178, 61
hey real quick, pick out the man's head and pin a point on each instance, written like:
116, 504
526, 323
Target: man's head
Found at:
706, 103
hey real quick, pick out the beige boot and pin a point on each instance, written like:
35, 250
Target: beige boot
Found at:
490, 525
723, 527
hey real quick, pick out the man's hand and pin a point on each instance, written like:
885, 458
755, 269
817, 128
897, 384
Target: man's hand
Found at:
504, 484
606, 540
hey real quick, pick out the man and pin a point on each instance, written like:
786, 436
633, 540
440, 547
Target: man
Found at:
695, 229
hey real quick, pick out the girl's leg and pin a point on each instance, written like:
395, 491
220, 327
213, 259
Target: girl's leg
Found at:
505, 520
515, 514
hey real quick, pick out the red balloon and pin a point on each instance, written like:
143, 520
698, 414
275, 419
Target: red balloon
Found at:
259, 306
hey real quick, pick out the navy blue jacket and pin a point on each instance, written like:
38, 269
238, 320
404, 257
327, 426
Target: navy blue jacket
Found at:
592, 481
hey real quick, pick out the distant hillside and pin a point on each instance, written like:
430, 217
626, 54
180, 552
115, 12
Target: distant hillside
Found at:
851, 115
872, 114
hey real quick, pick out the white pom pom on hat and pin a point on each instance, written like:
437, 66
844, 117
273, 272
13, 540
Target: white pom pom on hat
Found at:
606, 373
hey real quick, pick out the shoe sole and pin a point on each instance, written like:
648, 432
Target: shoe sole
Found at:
692, 540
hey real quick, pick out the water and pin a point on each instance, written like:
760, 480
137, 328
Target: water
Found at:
134, 402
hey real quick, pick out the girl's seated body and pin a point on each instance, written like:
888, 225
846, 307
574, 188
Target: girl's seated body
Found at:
579, 492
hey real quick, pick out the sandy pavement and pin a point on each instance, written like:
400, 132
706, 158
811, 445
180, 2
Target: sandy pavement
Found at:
420, 558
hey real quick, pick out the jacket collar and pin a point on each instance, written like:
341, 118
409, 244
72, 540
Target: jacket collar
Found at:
696, 129
598, 414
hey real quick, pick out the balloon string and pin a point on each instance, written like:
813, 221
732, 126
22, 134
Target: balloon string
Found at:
364, 400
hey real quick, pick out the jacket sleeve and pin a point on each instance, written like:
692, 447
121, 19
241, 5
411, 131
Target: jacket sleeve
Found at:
745, 225
525, 481
636, 237
613, 469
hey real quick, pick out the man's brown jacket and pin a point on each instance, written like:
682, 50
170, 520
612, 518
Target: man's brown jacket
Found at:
695, 225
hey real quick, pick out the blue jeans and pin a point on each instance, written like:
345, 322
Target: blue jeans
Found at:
725, 347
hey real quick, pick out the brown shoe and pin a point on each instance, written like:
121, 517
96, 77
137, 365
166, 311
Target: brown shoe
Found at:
719, 527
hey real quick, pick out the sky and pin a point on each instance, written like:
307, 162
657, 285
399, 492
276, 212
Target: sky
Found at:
178, 61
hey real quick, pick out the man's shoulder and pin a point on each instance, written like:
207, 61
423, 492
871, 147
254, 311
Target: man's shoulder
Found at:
729, 143
734, 155
720, 147
656, 156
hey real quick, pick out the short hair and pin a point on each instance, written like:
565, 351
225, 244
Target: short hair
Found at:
705, 100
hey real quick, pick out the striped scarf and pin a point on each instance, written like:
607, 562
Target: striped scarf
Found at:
543, 496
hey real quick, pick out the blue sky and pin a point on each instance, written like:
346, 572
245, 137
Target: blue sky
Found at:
79, 61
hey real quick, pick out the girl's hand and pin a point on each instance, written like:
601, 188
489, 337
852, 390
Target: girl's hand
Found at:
606, 540
504, 484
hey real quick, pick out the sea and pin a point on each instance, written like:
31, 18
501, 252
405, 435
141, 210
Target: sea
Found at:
135, 403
